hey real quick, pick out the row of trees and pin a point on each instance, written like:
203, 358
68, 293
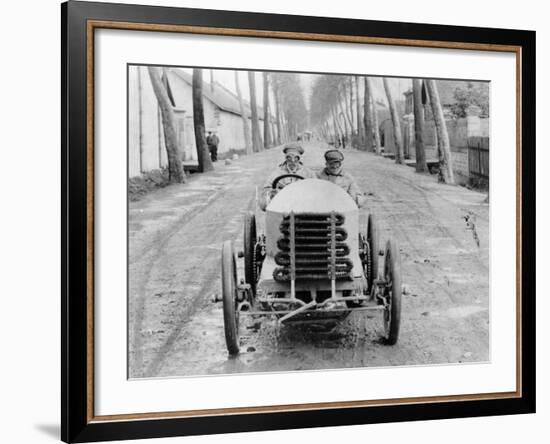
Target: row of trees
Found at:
282, 123
335, 117
331, 111
290, 115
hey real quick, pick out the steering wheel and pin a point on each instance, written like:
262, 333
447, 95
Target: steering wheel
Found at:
284, 176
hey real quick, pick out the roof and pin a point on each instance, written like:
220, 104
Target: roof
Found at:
223, 98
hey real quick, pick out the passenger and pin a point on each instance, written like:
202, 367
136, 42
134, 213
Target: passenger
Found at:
291, 165
334, 172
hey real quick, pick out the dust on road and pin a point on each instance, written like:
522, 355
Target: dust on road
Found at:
175, 238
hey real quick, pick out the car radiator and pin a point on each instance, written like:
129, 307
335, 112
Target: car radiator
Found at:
312, 246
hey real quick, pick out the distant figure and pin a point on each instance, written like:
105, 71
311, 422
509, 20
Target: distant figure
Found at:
291, 165
334, 172
212, 140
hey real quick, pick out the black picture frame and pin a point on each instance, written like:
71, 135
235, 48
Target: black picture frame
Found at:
77, 421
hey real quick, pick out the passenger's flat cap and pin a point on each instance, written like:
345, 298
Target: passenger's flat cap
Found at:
293, 148
334, 155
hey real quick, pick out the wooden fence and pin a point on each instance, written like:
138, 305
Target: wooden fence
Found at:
478, 159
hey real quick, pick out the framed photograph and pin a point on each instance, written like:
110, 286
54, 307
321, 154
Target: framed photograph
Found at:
275, 221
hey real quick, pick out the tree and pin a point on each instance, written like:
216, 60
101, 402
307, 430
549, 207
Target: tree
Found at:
367, 115
205, 164
256, 138
443, 145
395, 123
329, 103
274, 135
360, 126
472, 94
291, 101
175, 169
277, 100
345, 118
375, 127
244, 115
267, 135
421, 166
352, 110
345, 109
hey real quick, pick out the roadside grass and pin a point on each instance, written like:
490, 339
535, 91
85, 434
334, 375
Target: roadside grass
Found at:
139, 186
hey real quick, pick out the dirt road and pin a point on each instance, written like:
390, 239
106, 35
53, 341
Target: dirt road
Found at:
175, 238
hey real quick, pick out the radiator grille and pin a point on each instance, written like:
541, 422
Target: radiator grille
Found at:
312, 246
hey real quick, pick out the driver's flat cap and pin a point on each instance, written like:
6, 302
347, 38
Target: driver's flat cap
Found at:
293, 148
334, 155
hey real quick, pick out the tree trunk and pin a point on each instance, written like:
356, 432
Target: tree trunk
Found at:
341, 109
375, 127
256, 138
445, 161
274, 135
335, 124
343, 112
323, 130
175, 170
360, 127
284, 127
374, 114
352, 111
367, 116
267, 135
244, 116
205, 164
395, 123
278, 114
421, 166
275, 132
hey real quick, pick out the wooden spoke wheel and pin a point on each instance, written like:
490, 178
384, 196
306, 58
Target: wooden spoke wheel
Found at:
392, 293
230, 300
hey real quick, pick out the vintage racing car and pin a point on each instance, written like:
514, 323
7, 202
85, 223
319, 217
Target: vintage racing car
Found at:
313, 264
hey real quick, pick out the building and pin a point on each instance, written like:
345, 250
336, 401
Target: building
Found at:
459, 129
146, 149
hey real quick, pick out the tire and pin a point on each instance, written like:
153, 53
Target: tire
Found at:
392, 276
229, 294
374, 248
249, 241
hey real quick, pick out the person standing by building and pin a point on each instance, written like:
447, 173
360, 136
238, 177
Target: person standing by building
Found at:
212, 140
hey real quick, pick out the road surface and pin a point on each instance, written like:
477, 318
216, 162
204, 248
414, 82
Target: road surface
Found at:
175, 238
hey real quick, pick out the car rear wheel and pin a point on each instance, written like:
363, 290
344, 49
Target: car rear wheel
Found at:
392, 293
230, 300
249, 241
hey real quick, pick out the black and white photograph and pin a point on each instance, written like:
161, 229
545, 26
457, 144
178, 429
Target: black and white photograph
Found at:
283, 221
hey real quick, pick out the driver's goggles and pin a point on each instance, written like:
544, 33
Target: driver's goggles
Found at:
292, 158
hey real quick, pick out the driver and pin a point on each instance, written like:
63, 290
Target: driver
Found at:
334, 172
292, 165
